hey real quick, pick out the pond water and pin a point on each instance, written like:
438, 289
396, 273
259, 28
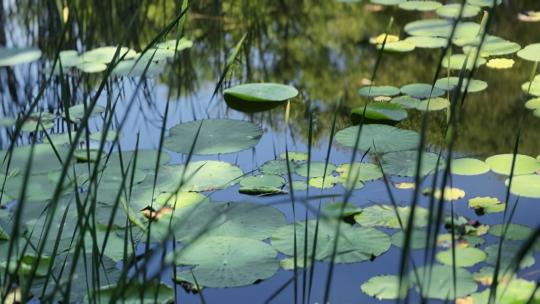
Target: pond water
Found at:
215, 209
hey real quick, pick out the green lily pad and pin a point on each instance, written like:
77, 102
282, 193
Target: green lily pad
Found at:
387, 2
385, 216
426, 41
469, 166
180, 199
422, 6
401, 46
531, 52
104, 55
502, 164
278, 167
91, 67
299, 185
178, 45
199, 176
532, 88
262, 184
324, 182
511, 231
457, 61
334, 209
375, 91
354, 245
139, 67
15, 56
450, 83
513, 290
378, 138
430, 104
225, 261
442, 28
526, 185
38, 121
360, 171
262, 92
482, 205
26, 264
294, 156
288, 263
453, 11
379, 111
213, 136
77, 112
492, 46
465, 257
437, 282
533, 104
316, 169
404, 163
508, 252
485, 3
421, 90
385, 287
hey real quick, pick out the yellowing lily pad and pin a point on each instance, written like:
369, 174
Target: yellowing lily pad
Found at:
502, 164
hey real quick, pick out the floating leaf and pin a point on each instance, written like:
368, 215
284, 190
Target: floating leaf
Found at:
340, 210
531, 52
532, 88
262, 92
404, 185
464, 257
179, 199
324, 182
104, 55
511, 231
385, 216
404, 163
374, 91
491, 46
316, 169
509, 251
385, 287
15, 56
299, 185
91, 67
387, 2
277, 167
512, 290
529, 16
359, 171
379, 111
213, 136
421, 90
262, 184
482, 205
533, 104
77, 112
486, 3
430, 104
450, 83
422, 6
502, 164
384, 38
225, 261
199, 176
454, 10
457, 61
437, 282
288, 263
294, 156
426, 41
398, 46
378, 138
469, 166
442, 28
526, 185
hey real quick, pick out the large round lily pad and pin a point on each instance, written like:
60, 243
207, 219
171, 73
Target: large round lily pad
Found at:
316, 169
385, 287
526, 185
15, 56
469, 166
509, 251
375, 91
421, 90
213, 136
404, 163
502, 164
262, 184
465, 256
378, 138
511, 231
460, 61
450, 83
103, 55
453, 11
422, 6
225, 261
385, 216
199, 176
438, 282
360, 171
379, 111
262, 92
426, 41
442, 28
531, 52
430, 104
